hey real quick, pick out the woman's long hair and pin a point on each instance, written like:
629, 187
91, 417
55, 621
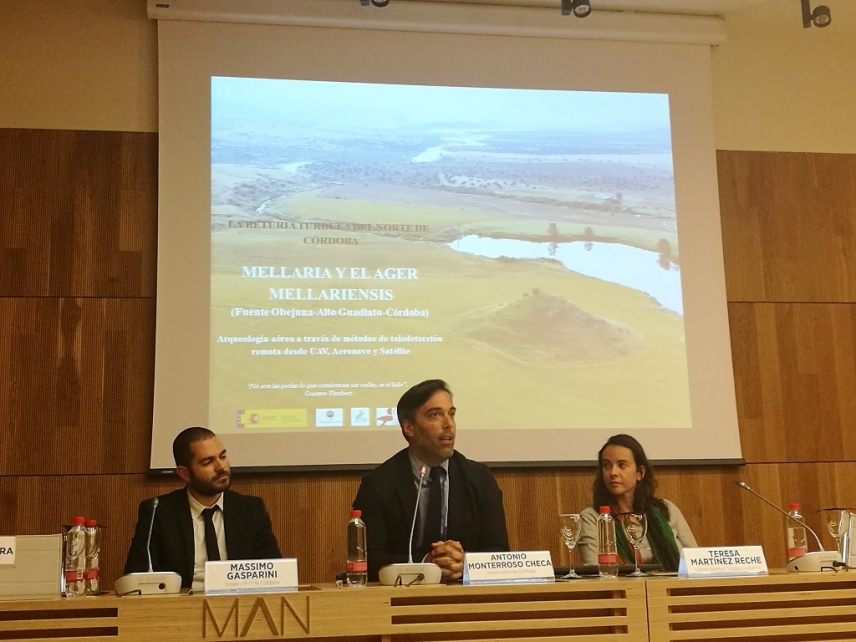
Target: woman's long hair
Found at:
662, 543
643, 496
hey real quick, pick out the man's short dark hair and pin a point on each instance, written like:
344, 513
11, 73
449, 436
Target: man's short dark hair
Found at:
414, 398
181, 445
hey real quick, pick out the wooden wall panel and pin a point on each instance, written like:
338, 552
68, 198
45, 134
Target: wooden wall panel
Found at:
43, 503
795, 378
76, 381
788, 225
814, 486
78, 213
708, 498
533, 499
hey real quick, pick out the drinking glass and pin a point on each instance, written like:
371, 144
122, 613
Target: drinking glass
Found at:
635, 526
569, 527
837, 522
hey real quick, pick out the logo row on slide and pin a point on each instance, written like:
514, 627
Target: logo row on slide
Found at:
324, 417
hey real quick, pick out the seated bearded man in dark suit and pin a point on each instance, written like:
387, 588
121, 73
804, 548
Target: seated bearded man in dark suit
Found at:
461, 505
202, 521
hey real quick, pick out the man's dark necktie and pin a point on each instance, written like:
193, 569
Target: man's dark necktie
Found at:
434, 515
211, 534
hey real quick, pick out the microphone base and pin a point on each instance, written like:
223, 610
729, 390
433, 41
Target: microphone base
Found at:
154, 583
410, 574
813, 562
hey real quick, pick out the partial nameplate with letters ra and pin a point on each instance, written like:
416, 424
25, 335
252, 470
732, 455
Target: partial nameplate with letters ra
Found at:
7, 551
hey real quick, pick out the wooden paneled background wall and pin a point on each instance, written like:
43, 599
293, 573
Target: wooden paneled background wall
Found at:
78, 220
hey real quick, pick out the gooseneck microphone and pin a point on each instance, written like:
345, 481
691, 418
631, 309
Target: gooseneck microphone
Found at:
745, 486
151, 527
810, 562
422, 471
411, 572
150, 582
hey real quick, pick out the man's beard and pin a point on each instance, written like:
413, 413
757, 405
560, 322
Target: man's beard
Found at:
210, 488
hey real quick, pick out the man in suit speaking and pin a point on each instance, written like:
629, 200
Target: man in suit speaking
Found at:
202, 521
461, 505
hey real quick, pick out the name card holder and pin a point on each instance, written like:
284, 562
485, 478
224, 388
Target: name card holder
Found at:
250, 576
722, 561
30, 566
506, 568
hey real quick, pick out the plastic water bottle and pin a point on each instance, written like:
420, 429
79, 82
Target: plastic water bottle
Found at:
75, 559
797, 543
93, 551
607, 553
357, 568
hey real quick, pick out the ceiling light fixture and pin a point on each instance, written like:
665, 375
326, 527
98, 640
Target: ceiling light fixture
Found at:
820, 17
377, 3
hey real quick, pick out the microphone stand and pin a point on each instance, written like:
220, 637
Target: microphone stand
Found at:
409, 573
813, 562
155, 501
151, 582
422, 471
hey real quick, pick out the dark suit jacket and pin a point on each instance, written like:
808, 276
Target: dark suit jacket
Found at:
247, 524
387, 497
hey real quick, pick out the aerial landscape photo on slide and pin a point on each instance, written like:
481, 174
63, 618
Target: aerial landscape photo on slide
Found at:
365, 237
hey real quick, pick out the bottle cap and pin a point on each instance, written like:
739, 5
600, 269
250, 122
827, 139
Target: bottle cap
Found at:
793, 506
91, 522
77, 521
604, 509
356, 513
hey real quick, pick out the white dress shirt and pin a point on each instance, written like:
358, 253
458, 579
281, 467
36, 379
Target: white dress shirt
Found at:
199, 538
423, 490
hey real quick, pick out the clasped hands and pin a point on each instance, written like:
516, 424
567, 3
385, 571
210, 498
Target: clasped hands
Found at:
449, 556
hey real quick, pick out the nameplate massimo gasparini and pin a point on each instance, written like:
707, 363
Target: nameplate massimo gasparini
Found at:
722, 561
505, 568
235, 576
7, 551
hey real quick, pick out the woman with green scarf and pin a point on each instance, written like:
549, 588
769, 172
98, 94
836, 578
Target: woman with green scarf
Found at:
625, 482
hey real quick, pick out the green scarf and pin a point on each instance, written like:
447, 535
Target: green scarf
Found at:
660, 537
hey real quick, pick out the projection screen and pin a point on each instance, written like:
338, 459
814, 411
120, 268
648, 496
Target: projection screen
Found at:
347, 212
